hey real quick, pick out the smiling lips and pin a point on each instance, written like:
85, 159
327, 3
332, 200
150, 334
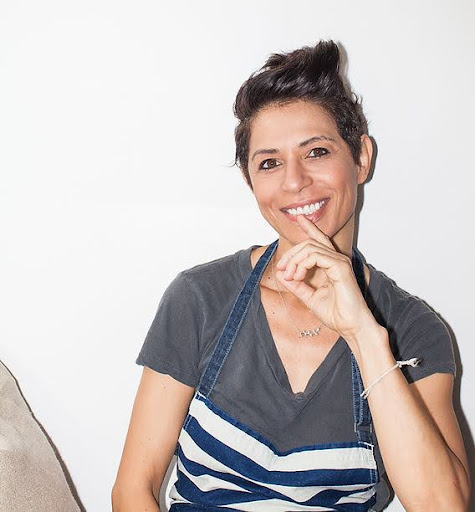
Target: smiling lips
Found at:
313, 211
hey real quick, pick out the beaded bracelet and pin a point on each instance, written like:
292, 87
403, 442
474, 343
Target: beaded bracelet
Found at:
410, 362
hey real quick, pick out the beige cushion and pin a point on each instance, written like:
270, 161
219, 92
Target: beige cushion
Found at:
31, 478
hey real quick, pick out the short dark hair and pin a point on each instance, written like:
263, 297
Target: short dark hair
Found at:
311, 74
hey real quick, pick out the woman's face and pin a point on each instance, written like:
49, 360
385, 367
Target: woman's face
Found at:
299, 164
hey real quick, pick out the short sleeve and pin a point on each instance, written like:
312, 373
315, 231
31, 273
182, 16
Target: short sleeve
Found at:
172, 343
421, 333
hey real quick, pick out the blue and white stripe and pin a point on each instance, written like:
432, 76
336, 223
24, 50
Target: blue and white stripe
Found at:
224, 464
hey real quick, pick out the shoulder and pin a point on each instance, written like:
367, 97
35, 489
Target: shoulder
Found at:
399, 307
415, 329
192, 310
213, 280
229, 263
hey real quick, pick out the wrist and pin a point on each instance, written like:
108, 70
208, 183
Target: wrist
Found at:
371, 349
367, 328
369, 337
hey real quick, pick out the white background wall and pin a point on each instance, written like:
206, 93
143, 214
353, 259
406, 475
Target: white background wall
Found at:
116, 135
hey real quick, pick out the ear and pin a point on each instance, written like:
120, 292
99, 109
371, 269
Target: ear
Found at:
366, 156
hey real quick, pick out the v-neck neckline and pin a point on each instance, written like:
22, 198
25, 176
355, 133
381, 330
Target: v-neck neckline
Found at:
276, 364
272, 355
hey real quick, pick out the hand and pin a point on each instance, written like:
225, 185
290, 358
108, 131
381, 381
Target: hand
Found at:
323, 279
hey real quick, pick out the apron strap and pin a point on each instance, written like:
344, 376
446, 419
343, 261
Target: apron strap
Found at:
361, 412
362, 416
233, 323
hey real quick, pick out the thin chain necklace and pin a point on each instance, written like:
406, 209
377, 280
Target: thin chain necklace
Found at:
302, 333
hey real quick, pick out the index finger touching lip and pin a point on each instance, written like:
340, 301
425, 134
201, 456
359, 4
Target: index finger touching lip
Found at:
313, 231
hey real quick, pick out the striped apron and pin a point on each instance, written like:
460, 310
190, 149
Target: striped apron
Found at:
224, 464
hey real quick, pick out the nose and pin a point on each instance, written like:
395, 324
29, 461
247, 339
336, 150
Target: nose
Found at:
296, 177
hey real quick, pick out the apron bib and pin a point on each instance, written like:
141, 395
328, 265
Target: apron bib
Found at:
225, 465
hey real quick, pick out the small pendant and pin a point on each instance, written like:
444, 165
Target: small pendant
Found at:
311, 333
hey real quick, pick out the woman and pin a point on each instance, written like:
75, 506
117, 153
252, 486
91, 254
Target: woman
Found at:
275, 368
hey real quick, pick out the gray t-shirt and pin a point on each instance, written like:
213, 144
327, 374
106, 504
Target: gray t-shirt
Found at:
253, 386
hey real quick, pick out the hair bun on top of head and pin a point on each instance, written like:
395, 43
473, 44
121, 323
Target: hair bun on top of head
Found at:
302, 70
307, 71
310, 74
322, 58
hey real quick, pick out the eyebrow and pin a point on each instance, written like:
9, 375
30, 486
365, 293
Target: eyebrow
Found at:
273, 151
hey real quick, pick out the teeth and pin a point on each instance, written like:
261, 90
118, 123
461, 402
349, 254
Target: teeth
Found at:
306, 210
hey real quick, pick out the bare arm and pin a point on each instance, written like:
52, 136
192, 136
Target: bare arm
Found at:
159, 410
418, 433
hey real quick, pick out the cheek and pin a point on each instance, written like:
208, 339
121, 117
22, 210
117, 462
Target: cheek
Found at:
345, 178
265, 199
263, 192
264, 202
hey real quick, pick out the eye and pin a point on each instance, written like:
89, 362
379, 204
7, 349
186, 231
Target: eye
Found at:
318, 152
270, 163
